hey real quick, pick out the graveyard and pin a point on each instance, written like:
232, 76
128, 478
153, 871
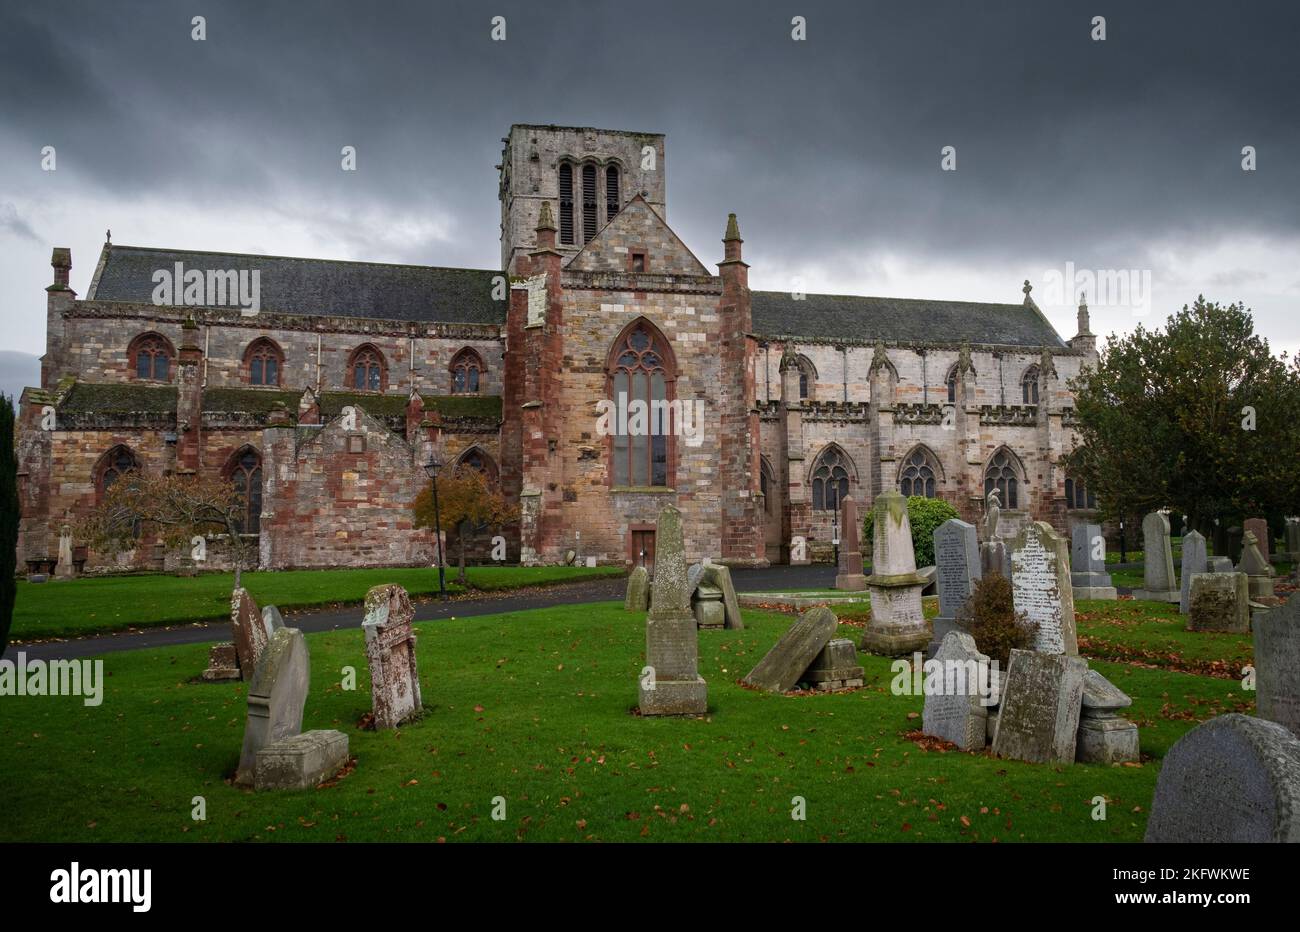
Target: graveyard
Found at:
679, 715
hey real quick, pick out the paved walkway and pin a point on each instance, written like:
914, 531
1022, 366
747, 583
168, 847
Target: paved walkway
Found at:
777, 577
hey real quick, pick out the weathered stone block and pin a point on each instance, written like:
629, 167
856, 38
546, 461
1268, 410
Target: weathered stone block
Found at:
300, 762
1219, 602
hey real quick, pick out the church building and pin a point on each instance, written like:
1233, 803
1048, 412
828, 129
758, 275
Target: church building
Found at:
603, 371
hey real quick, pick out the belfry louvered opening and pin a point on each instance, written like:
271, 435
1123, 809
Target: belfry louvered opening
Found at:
566, 203
588, 203
612, 198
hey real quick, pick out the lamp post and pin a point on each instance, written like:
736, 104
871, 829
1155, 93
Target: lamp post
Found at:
432, 468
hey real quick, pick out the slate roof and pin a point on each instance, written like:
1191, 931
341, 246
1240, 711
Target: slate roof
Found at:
900, 320
120, 398
317, 287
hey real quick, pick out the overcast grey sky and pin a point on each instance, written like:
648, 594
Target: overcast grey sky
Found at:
1110, 155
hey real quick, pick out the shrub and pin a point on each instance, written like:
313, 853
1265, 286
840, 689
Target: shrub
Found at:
925, 515
991, 618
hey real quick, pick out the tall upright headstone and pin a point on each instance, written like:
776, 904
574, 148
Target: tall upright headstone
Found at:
1088, 575
1277, 664
850, 576
1158, 581
1259, 527
637, 597
248, 631
1040, 587
897, 626
1235, 778
390, 652
672, 685
64, 568
276, 696
1293, 539
1194, 563
957, 566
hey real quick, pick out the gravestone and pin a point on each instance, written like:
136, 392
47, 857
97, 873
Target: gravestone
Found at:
1040, 587
247, 631
956, 710
1158, 581
271, 620
694, 576
672, 685
223, 663
897, 626
708, 607
390, 652
929, 576
1088, 576
1277, 664
276, 696
835, 668
1259, 527
1293, 539
1038, 717
783, 665
1234, 778
1219, 565
64, 568
1219, 602
300, 762
995, 557
637, 598
850, 577
1104, 736
1194, 563
1256, 567
957, 566
720, 576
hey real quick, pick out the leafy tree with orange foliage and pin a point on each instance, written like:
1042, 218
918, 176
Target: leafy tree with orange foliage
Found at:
467, 503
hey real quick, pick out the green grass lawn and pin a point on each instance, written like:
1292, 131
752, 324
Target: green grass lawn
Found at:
73, 608
535, 707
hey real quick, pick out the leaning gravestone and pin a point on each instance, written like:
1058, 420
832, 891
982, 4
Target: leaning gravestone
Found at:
850, 577
1038, 718
1158, 581
957, 566
1258, 527
672, 685
1234, 778
637, 598
783, 665
1104, 736
248, 631
1088, 576
1277, 664
957, 710
1040, 587
1219, 602
271, 620
390, 651
276, 696
719, 576
897, 625
1256, 567
1194, 563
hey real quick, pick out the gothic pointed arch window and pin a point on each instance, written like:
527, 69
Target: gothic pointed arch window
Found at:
952, 383
113, 465
1004, 474
642, 375
367, 371
830, 479
566, 203
151, 357
1029, 386
466, 372
479, 461
807, 378
245, 473
1077, 495
919, 474
589, 205
263, 362
613, 199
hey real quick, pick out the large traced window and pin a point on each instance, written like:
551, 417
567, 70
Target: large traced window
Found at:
263, 362
466, 372
830, 479
246, 477
151, 356
1003, 474
1077, 495
1029, 386
641, 382
367, 371
918, 475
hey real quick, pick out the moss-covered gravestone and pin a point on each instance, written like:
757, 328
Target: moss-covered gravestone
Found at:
783, 665
276, 696
671, 684
897, 626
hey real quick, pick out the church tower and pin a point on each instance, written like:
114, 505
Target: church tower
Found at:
588, 175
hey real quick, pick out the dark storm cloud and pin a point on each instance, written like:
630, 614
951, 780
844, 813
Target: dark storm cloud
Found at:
1067, 148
